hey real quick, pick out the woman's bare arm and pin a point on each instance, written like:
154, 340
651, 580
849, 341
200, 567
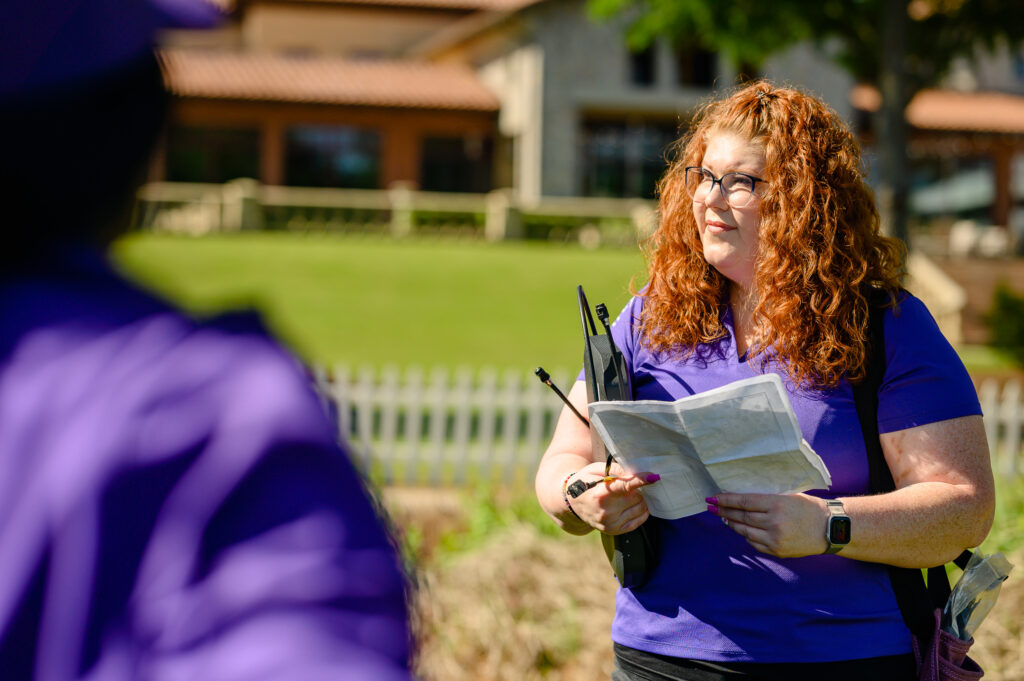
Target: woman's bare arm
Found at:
944, 503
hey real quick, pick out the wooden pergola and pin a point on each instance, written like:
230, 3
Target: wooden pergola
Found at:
947, 123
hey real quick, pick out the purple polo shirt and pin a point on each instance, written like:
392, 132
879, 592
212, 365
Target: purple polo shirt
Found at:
713, 596
173, 504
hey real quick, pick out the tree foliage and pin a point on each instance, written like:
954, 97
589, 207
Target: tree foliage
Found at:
902, 46
749, 31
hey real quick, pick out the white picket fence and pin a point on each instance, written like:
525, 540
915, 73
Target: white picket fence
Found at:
447, 427
461, 427
1004, 413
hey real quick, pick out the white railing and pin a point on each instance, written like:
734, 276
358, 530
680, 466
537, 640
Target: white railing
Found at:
463, 427
244, 204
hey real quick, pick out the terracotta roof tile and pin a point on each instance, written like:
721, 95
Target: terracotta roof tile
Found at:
493, 5
324, 80
952, 110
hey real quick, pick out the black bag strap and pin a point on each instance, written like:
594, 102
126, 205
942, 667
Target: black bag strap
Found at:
917, 601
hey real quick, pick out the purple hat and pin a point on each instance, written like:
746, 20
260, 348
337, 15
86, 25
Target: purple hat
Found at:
49, 44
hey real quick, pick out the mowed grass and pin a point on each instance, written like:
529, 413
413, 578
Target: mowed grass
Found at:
376, 301
373, 301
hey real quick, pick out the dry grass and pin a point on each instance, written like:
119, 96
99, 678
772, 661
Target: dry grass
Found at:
524, 606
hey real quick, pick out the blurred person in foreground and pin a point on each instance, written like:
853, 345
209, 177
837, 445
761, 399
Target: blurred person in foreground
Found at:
765, 258
173, 503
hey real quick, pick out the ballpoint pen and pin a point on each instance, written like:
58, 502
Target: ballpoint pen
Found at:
579, 487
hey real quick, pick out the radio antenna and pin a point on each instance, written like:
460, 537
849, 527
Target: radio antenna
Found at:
545, 378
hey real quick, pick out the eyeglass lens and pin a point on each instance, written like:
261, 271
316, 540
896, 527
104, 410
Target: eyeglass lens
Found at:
737, 188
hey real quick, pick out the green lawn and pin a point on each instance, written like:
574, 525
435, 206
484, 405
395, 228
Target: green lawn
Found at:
985, 359
375, 301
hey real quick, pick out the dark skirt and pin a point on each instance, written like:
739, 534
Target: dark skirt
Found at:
636, 665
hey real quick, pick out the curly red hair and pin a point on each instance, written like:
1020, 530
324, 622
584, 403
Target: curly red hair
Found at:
821, 249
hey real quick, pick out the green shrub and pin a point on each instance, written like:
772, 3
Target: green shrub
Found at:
1006, 320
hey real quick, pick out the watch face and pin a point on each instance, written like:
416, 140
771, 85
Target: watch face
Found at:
839, 530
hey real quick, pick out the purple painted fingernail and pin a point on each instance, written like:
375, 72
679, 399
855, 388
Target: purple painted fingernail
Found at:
713, 509
711, 500
653, 477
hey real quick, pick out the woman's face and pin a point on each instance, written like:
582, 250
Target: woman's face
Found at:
730, 235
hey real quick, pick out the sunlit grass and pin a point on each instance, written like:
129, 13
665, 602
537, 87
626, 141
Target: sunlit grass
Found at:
986, 359
376, 301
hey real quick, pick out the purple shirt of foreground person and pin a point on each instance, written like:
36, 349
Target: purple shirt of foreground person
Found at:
173, 504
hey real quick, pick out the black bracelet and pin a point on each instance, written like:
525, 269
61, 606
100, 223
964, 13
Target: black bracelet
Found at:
565, 496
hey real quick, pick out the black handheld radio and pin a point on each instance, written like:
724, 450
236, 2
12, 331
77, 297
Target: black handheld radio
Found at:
632, 555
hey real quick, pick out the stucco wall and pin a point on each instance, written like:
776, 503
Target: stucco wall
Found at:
583, 67
811, 68
586, 70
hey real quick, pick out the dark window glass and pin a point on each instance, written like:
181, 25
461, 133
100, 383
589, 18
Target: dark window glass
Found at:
641, 67
212, 154
696, 67
456, 164
332, 156
624, 158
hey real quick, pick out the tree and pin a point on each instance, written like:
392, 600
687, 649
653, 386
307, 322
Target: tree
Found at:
901, 46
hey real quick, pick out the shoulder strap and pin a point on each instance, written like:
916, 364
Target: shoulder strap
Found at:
916, 600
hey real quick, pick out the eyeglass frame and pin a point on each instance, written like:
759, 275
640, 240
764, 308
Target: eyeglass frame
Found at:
721, 187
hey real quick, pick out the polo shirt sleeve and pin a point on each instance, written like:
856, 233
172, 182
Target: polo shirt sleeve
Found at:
625, 328
925, 380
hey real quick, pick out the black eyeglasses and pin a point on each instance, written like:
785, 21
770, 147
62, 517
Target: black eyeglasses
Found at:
737, 188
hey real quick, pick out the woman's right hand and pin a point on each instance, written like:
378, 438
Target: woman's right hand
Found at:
612, 507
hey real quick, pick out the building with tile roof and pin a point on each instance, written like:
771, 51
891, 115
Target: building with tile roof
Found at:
472, 95
451, 95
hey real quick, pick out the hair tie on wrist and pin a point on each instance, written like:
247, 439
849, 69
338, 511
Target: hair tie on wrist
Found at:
565, 496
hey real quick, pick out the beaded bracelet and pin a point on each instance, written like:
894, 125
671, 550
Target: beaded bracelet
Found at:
565, 496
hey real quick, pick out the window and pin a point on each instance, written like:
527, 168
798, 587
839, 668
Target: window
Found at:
456, 164
624, 158
196, 154
332, 156
641, 66
696, 67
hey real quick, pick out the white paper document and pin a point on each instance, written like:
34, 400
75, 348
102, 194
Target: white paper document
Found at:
742, 437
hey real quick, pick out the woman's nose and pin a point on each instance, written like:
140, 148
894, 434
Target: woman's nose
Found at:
716, 197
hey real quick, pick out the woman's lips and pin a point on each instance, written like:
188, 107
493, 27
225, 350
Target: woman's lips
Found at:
715, 226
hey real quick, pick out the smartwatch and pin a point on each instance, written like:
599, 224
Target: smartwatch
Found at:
837, 527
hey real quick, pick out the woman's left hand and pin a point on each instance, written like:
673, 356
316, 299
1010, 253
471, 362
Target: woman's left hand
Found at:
783, 525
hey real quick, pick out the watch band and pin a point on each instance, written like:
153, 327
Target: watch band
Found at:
837, 527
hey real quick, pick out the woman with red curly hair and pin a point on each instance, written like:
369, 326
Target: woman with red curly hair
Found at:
767, 254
